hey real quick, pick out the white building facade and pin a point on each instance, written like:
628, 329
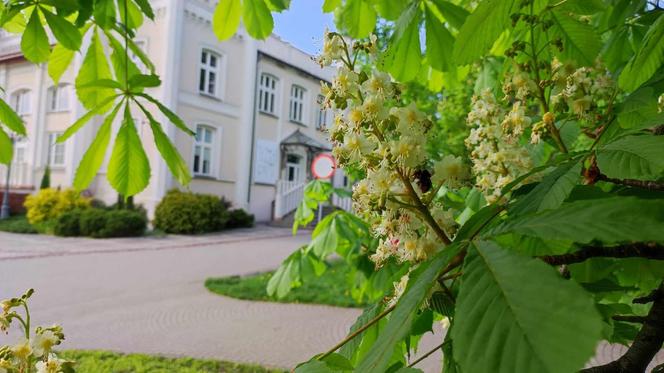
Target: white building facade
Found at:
253, 105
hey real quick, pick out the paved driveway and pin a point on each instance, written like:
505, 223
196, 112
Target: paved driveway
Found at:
147, 295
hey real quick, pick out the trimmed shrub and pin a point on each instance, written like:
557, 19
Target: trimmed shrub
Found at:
68, 224
100, 223
238, 218
189, 213
92, 222
125, 223
48, 204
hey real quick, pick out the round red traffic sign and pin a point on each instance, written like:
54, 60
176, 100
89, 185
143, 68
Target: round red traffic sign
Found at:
322, 167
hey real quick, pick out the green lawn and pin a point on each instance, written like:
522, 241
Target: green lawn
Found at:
111, 362
17, 224
331, 288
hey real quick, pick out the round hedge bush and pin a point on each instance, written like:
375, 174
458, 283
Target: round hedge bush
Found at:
190, 213
68, 224
107, 223
240, 219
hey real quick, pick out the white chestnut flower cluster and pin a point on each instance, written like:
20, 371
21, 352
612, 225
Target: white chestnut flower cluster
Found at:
374, 133
33, 352
497, 156
583, 91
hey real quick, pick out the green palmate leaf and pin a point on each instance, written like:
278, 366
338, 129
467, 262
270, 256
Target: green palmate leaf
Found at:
633, 157
226, 18
167, 150
257, 18
609, 220
130, 15
551, 191
123, 66
34, 43
101, 108
640, 110
507, 323
481, 29
140, 53
583, 6
95, 67
6, 148
580, 42
337, 362
350, 349
403, 58
613, 53
439, 42
169, 114
104, 12
94, 156
282, 280
314, 366
647, 60
453, 14
59, 61
278, 5
303, 215
421, 281
128, 168
389, 9
9, 118
330, 5
66, 33
357, 18
325, 237
144, 81
146, 8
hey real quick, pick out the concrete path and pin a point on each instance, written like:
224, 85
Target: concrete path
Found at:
146, 295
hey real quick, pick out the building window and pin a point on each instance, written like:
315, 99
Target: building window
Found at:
267, 93
321, 118
293, 167
208, 80
20, 101
203, 147
56, 151
58, 98
296, 103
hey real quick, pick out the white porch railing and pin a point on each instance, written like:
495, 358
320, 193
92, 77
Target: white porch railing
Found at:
289, 195
18, 176
344, 203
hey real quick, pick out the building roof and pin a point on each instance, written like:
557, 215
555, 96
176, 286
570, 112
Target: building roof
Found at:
299, 138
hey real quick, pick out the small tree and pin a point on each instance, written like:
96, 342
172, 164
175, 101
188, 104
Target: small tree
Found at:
46, 179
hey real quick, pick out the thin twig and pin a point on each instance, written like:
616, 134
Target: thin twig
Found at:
428, 353
357, 332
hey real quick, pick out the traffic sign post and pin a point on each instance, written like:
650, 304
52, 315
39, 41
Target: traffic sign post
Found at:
323, 166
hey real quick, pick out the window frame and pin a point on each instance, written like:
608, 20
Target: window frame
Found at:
272, 91
17, 93
323, 114
207, 69
297, 104
52, 151
215, 137
53, 97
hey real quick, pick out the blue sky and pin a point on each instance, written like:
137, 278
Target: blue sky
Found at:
303, 24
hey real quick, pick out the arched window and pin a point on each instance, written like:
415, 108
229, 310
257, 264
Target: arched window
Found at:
58, 98
20, 101
204, 146
267, 93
